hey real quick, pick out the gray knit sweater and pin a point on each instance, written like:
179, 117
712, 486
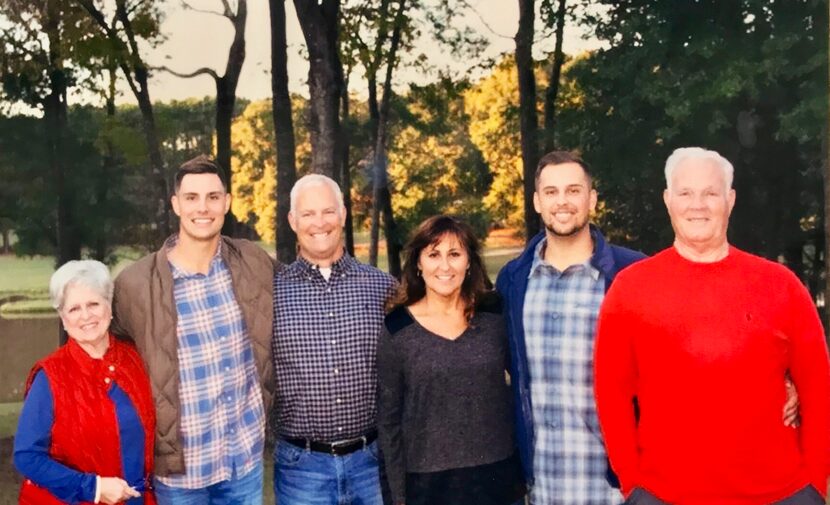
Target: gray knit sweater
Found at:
442, 403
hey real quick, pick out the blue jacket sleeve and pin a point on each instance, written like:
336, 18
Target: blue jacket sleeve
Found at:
31, 449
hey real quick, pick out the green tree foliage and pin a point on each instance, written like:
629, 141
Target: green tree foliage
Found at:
254, 165
745, 78
29, 188
434, 166
492, 105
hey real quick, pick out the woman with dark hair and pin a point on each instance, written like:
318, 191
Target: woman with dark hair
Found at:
444, 414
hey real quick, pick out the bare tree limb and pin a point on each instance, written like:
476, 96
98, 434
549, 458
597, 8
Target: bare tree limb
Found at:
228, 11
195, 73
186, 5
112, 36
466, 4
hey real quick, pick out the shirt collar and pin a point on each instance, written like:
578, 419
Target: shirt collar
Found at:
177, 272
339, 268
539, 263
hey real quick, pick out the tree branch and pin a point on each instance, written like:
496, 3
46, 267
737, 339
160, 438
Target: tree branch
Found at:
466, 4
112, 36
195, 73
228, 11
186, 5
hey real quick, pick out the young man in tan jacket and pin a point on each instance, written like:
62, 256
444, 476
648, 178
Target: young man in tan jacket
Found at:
200, 312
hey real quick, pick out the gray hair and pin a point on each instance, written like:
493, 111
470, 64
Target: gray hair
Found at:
684, 153
316, 180
89, 273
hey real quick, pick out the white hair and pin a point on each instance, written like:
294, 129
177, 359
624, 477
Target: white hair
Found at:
684, 153
316, 180
89, 273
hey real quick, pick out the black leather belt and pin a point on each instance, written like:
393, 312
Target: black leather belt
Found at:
338, 448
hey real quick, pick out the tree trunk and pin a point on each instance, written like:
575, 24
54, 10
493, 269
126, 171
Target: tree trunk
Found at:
383, 193
345, 173
320, 24
284, 132
826, 159
128, 58
7, 245
135, 65
55, 120
374, 125
553, 82
527, 110
107, 162
225, 101
374, 121
157, 170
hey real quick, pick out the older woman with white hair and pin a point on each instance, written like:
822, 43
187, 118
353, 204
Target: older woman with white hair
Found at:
85, 433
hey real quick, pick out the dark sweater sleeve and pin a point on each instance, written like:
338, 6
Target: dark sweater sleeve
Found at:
390, 410
31, 449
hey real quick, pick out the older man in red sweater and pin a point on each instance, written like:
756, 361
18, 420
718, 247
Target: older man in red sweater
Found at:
702, 334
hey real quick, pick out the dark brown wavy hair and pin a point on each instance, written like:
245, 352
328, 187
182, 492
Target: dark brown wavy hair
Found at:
476, 283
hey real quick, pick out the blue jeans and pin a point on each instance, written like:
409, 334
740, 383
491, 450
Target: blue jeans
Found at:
304, 477
245, 490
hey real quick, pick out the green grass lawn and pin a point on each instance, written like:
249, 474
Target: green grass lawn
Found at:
21, 275
9, 412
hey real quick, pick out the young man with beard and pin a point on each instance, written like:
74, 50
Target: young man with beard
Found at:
200, 312
552, 295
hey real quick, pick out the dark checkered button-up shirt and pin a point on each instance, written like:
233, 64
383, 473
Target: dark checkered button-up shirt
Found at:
324, 345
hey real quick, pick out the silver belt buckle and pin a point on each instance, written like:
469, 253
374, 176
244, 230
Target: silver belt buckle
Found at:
340, 443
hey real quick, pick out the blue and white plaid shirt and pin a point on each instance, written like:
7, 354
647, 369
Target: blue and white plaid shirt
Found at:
222, 417
560, 314
325, 348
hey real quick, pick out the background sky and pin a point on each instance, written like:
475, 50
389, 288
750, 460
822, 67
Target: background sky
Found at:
197, 40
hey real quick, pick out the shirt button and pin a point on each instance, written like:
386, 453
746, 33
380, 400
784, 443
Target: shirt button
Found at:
107, 380
555, 315
227, 368
336, 370
112, 368
333, 342
339, 400
331, 314
339, 428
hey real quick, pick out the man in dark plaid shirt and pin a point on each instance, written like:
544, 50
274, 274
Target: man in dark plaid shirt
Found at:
328, 311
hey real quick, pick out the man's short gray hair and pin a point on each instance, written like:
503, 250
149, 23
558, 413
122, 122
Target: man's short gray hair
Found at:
316, 180
684, 153
89, 273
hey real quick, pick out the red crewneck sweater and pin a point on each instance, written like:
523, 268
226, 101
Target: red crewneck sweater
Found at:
705, 348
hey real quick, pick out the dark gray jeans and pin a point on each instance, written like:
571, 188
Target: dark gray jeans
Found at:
807, 496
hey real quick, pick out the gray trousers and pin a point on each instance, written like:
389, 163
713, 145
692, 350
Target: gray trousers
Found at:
807, 496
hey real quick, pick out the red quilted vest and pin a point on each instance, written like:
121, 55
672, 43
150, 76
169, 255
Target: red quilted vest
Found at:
85, 430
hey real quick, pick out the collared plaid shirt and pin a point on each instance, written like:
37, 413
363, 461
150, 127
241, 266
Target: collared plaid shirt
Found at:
560, 315
325, 346
222, 417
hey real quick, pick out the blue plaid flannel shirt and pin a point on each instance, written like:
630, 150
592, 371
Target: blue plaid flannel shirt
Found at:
222, 417
560, 314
